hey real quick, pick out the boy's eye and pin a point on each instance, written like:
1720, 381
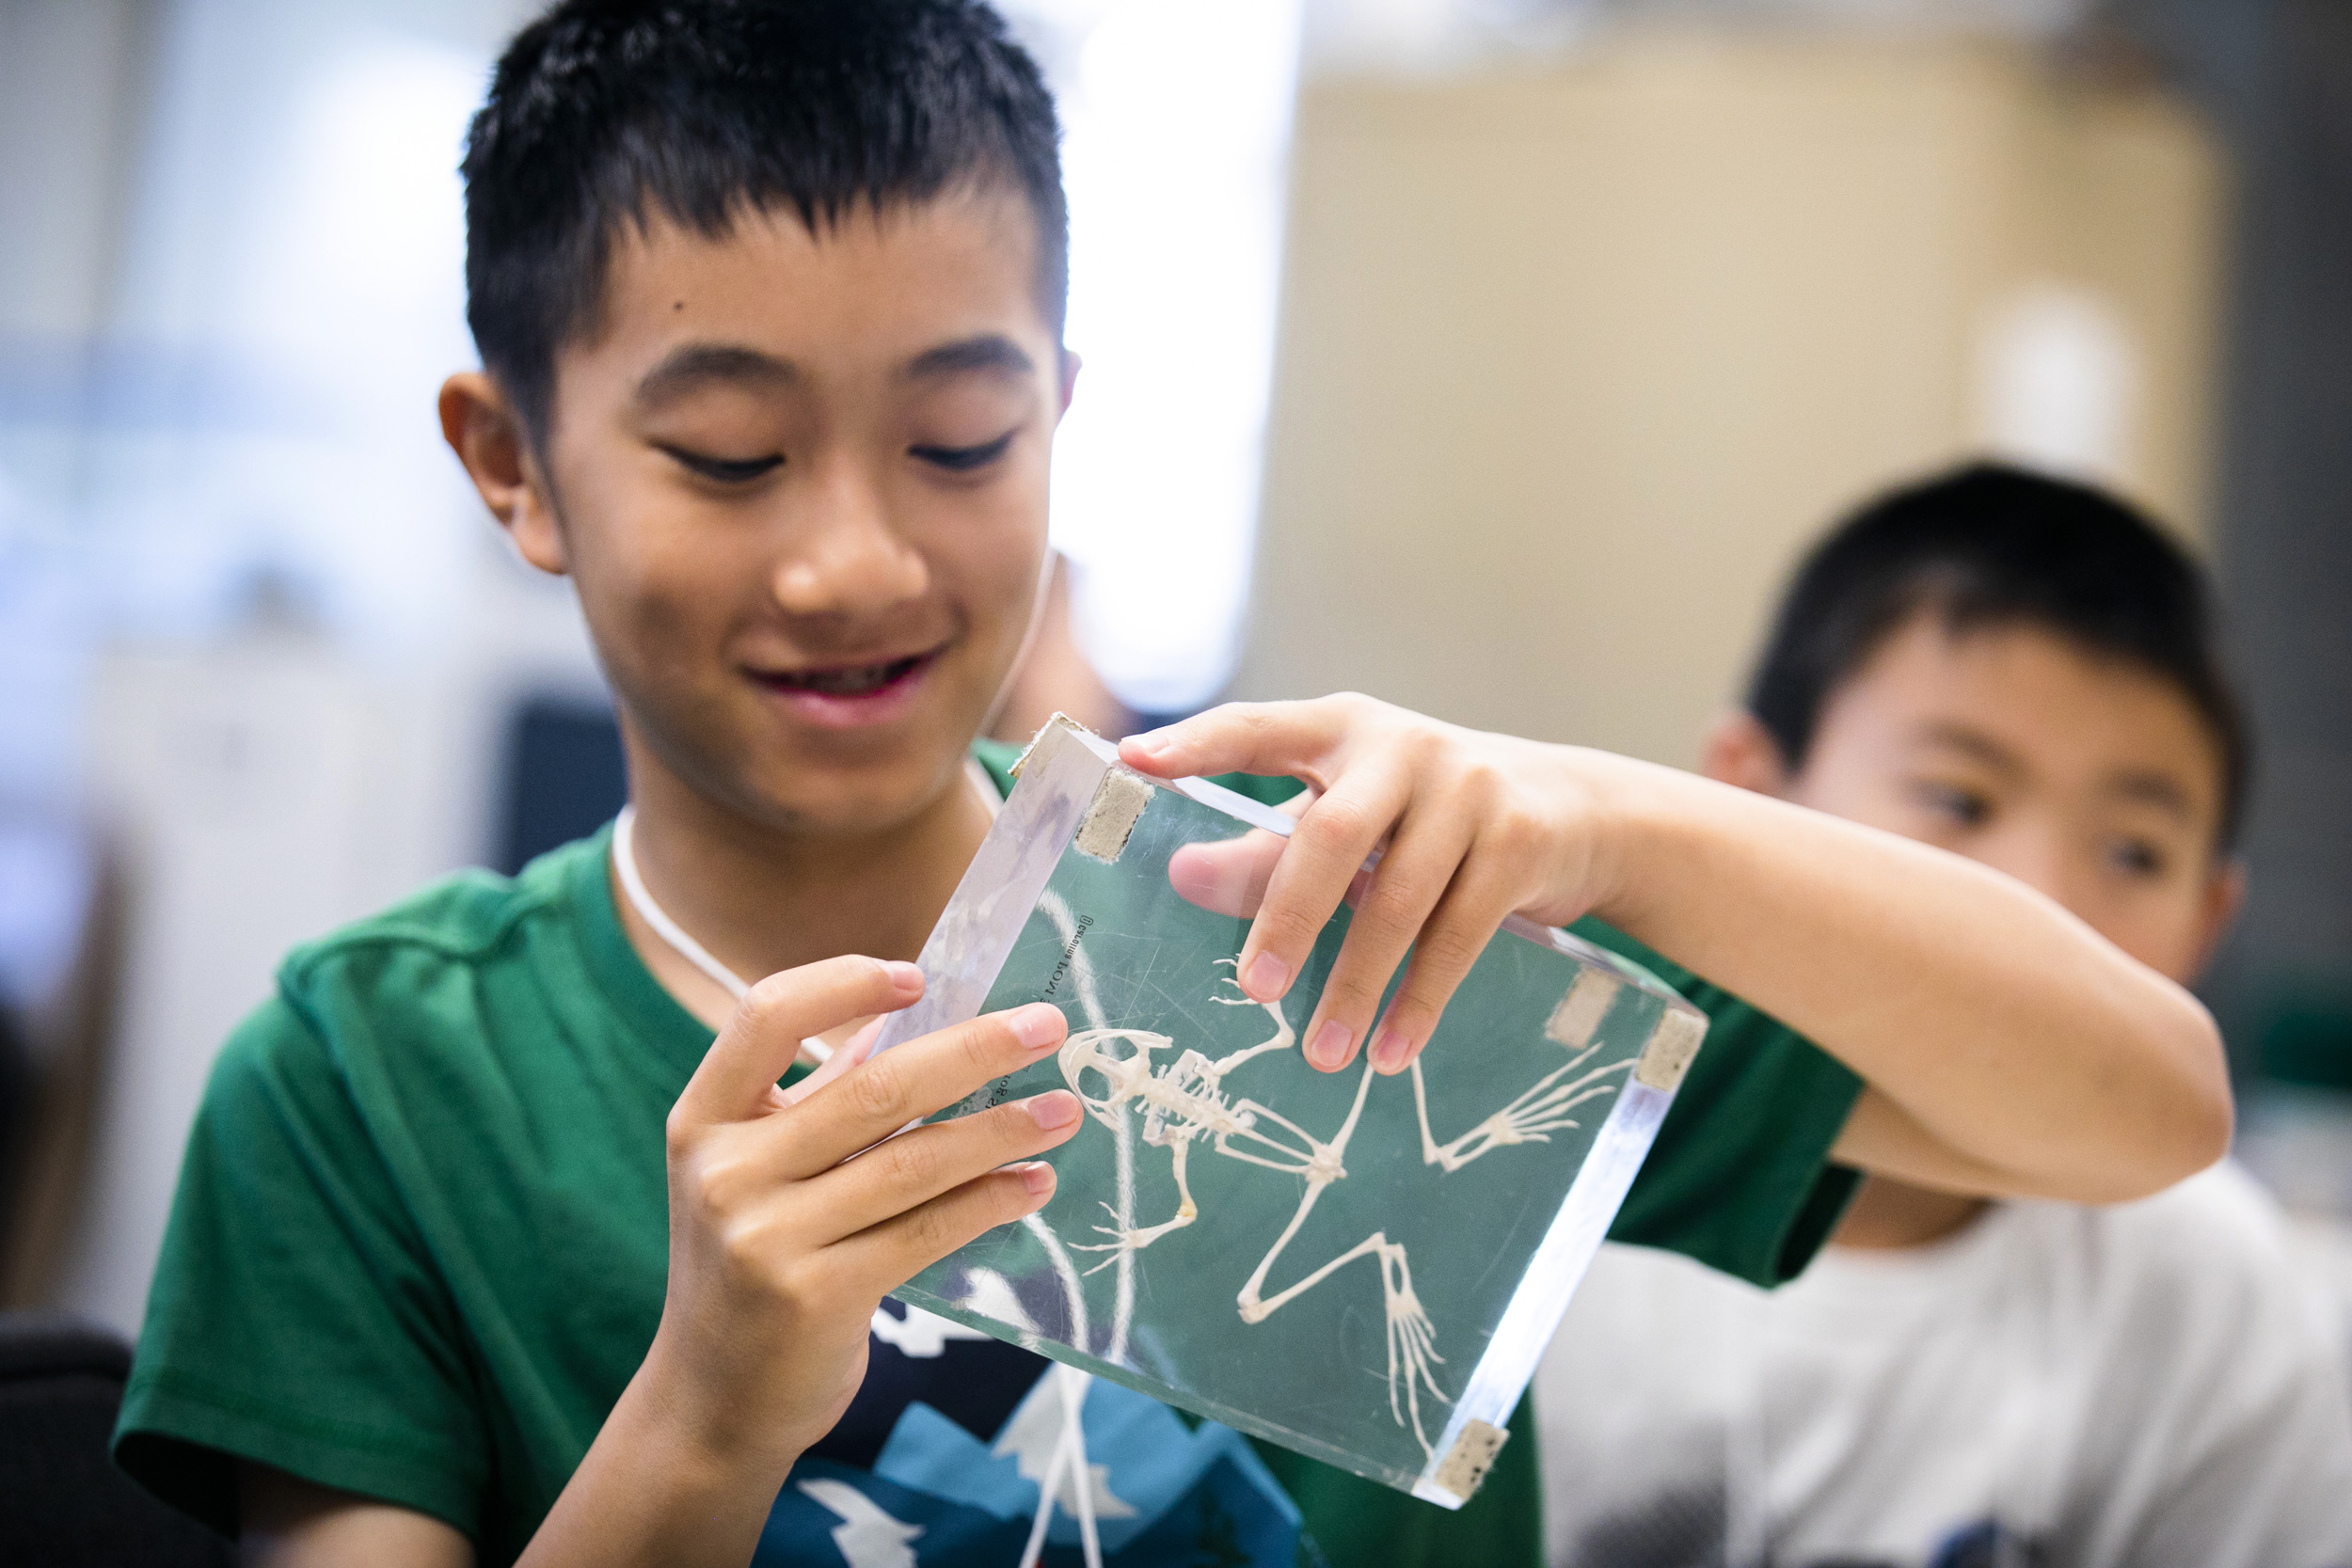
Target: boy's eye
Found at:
2135, 857
1965, 807
962, 460
725, 470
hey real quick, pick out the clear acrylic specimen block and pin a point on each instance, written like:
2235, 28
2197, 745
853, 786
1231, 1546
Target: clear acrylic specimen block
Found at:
1364, 1269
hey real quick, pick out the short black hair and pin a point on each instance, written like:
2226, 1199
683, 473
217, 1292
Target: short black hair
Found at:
1991, 545
603, 111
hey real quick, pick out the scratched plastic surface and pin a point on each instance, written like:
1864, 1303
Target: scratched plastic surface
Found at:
1340, 1274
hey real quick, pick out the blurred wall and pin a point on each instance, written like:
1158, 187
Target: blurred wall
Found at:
1574, 359
259, 646
65, 153
2277, 76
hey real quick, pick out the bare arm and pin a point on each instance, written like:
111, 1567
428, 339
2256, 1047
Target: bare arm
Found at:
2009, 1049
781, 1247
291, 1523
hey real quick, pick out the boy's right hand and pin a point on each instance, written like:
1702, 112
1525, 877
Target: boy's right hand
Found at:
779, 1250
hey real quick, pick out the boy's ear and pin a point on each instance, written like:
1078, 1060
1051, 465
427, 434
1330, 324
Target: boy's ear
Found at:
2225, 893
1070, 363
1739, 751
483, 429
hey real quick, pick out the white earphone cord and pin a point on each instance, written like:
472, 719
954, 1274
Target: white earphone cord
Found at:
625, 861
684, 946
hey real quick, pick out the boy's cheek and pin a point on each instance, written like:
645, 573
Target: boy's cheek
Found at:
999, 586
645, 631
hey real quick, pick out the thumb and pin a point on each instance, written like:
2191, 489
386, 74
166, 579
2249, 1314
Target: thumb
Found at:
1230, 877
760, 1040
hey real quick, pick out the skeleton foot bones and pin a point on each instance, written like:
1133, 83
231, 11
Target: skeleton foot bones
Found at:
1184, 1099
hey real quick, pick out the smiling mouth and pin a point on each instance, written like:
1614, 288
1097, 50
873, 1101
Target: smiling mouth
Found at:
848, 680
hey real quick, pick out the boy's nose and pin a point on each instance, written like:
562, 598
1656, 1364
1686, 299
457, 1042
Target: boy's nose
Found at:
843, 555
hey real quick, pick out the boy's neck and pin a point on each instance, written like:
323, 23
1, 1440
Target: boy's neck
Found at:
761, 900
1887, 1213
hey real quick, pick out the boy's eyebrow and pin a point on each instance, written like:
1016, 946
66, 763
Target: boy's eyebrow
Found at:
989, 351
689, 365
2149, 787
1982, 747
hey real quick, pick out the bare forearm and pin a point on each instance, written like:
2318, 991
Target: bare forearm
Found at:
654, 1492
651, 1492
2009, 1049
2037, 1057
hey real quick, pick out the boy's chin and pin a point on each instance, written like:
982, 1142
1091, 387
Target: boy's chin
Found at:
831, 797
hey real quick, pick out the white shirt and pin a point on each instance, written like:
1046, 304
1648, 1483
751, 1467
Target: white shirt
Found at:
2133, 1386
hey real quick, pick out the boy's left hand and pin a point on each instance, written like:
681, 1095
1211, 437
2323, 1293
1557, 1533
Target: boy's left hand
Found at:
1469, 827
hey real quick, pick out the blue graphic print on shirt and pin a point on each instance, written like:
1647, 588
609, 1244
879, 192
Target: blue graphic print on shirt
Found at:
902, 1483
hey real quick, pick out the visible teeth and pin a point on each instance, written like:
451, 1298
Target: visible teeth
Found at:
850, 683
845, 683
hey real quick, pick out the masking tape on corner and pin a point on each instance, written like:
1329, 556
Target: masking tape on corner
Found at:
1672, 1044
1111, 815
1581, 1010
1470, 1459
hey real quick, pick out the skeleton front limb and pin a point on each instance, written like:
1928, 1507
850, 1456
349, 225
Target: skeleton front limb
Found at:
1136, 1239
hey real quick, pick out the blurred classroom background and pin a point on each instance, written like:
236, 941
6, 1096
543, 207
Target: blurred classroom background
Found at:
1494, 357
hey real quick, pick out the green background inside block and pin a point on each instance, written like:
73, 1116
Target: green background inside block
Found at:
1115, 948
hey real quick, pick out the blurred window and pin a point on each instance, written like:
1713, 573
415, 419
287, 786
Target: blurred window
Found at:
1177, 118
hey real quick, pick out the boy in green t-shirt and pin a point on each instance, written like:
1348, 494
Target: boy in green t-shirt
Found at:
769, 298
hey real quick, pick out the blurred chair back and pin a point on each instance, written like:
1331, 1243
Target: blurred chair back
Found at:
56, 1033
62, 1502
564, 777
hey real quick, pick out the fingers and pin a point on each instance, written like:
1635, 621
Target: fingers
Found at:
1392, 915
881, 1095
758, 1043
1316, 870
852, 1051
1295, 738
899, 1248
900, 1174
1476, 826
1449, 942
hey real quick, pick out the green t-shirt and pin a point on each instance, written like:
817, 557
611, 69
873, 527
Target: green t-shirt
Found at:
419, 1241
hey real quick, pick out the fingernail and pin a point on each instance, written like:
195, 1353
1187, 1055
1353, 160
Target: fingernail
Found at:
1329, 1049
1266, 977
1038, 1176
1390, 1049
903, 975
1151, 743
1055, 1111
1036, 1025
